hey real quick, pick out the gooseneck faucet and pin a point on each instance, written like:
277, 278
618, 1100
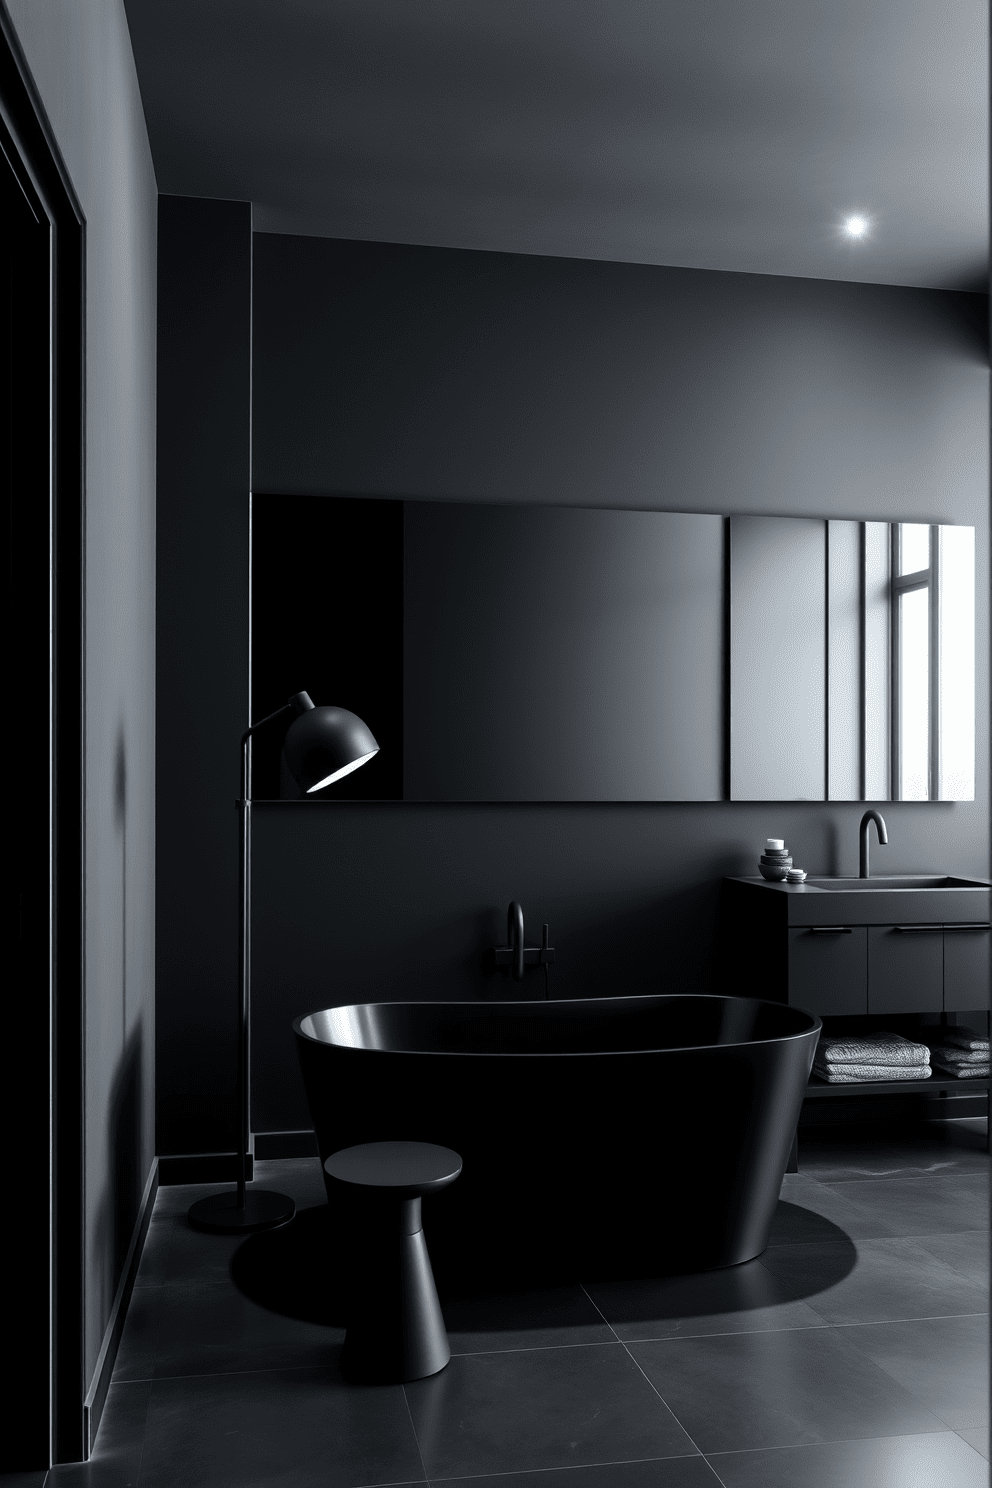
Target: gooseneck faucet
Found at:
515, 938
883, 837
516, 954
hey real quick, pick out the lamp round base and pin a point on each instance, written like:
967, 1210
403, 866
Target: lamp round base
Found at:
220, 1215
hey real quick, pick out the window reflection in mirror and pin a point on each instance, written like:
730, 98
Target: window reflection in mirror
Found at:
956, 665
913, 623
933, 662
901, 661
913, 547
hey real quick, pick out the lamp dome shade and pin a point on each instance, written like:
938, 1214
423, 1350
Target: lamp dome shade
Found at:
325, 744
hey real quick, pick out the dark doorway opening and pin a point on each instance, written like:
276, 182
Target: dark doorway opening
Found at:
41, 457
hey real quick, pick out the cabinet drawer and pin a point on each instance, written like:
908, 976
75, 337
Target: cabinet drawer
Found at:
828, 970
905, 969
966, 968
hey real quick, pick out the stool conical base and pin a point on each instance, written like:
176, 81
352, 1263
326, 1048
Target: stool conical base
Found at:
263, 1210
397, 1331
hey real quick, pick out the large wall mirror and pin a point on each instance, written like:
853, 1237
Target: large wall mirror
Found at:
533, 653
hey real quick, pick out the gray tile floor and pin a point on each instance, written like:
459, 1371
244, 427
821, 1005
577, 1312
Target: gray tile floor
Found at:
853, 1353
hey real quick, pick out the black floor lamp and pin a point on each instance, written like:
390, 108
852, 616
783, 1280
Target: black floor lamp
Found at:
321, 745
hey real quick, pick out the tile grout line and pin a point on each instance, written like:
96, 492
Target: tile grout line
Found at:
161, 1379
893, 1175
921, 1180
819, 1326
146, 1379
539, 1348
918, 1239
144, 1435
832, 1441
396, 1483
758, 1261
816, 1327
584, 1290
933, 1410
653, 1386
948, 1429
930, 1317
958, 1432
714, 1471
517, 1472
630, 1356
416, 1438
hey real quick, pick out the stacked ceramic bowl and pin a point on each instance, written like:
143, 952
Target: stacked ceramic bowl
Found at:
775, 861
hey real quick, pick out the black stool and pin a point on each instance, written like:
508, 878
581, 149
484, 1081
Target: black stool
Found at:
395, 1331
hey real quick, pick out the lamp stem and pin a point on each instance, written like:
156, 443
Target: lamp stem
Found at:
244, 972
242, 1213
295, 705
244, 963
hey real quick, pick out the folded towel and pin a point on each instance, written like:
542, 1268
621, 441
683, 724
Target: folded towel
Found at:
961, 1071
881, 1048
963, 1038
950, 1054
857, 1074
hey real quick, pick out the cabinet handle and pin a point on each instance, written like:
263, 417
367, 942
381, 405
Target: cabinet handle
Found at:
918, 929
967, 927
830, 930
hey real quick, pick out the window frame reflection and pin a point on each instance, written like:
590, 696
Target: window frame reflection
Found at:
903, 584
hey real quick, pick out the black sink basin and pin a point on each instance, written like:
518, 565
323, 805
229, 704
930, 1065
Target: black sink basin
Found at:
899, 881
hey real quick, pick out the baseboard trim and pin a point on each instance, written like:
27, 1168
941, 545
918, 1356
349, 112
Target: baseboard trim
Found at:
96, 1395
285, 1144
221, 1167
200, 1167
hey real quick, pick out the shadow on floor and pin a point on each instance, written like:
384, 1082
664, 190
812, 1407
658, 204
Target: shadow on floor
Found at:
300, 1271
303, 1271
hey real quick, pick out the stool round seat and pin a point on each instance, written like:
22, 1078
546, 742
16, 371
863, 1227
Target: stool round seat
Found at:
408, 1169
395, 1328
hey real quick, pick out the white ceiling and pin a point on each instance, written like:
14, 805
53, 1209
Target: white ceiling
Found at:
722, 134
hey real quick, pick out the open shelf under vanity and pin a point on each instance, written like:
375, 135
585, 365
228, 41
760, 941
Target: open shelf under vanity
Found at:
818, 1089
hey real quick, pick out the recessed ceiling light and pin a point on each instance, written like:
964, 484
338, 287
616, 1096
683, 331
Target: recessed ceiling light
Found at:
856, 226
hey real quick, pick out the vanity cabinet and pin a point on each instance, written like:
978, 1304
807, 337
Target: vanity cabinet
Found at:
840, 949
905, 969
828, 969
848, 954
967, 967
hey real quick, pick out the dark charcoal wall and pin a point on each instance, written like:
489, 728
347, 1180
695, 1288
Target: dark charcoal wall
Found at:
80, 60
410, 372
204, 386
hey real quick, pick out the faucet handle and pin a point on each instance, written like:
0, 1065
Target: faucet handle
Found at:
510, 955
546, 955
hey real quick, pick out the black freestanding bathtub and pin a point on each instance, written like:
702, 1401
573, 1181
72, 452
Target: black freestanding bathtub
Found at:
615, 1135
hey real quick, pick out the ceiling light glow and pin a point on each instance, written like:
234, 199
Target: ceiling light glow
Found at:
856, 226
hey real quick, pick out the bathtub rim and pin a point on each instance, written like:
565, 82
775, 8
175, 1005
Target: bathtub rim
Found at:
816, 1026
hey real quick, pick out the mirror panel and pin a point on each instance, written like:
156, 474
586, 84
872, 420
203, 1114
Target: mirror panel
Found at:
898, 646
327, 618
498, 653
877, 692
956, 665
844, 689
777, 659
561, 654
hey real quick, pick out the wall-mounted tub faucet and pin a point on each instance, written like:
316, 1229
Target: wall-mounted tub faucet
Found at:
883, 837
516, 955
